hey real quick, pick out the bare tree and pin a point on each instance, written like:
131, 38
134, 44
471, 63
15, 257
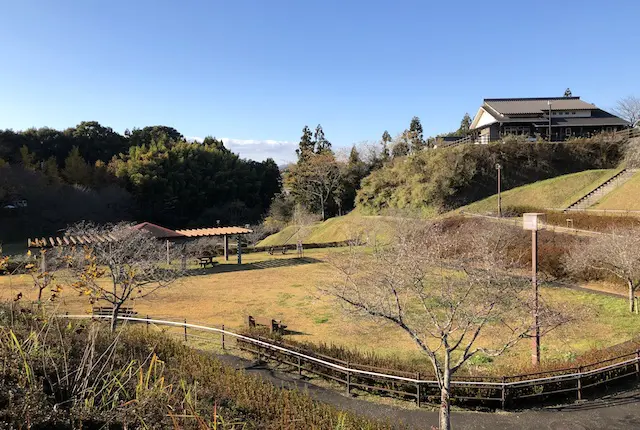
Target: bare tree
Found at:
134, 261
442, 290
318, 178
629, 109
615, 254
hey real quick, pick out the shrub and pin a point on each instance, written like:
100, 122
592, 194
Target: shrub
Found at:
447, 178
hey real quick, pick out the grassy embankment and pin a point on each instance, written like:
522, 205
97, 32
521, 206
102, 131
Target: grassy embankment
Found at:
338, 229
555, 193
626, 197
285, 288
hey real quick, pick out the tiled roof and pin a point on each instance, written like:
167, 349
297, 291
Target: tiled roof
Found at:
536, 105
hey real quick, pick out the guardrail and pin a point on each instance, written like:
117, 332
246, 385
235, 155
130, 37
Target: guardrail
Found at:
499, 392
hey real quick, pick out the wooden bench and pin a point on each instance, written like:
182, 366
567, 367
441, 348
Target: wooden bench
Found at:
206, 261
108, 311
275, 326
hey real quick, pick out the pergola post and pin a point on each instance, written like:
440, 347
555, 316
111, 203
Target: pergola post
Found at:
184, 257
239, 249
226, 247
168, 259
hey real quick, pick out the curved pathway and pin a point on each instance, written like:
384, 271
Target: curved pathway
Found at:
619, 411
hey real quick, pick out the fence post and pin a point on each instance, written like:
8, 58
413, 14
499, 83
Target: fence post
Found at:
223, 336
185, 330
580, 383
147, 323
299, 366
418, 389
348, 379
503, 399
638, 364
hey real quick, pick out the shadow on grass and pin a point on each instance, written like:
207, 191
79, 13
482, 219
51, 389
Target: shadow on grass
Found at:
269, 264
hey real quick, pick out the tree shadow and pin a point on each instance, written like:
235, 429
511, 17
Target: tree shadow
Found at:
269, 264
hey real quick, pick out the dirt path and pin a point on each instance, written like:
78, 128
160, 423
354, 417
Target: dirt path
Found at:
618, 411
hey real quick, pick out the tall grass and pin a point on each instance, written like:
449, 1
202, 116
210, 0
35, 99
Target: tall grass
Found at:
66, 375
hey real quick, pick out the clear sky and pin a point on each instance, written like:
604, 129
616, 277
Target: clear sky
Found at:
255, 72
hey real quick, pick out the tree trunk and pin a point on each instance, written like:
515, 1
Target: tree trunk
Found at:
322, 204
114, 317
445, 397
632, 305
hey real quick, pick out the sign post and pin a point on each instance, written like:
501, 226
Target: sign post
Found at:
534, 222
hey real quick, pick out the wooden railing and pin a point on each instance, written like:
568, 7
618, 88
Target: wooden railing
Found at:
498, 392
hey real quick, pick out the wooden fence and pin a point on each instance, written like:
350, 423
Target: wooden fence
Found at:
496, 392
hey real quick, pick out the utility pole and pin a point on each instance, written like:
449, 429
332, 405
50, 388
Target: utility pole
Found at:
549, 103
533, 222
499, 168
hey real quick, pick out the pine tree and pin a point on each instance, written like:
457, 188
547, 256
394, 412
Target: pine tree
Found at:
567, 92
320, 142
306, 145
416, 139
50, 169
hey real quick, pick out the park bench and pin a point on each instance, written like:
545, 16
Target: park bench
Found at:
206, 261
108, 310
274, 326
271, 250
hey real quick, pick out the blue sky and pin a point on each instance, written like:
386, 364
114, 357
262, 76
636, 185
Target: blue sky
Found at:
255, 72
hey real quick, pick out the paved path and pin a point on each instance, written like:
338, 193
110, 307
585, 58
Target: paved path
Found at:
620, 411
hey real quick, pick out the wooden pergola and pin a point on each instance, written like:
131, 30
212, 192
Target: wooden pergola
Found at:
159, 232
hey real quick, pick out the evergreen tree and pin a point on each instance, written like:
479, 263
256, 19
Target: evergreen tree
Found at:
386, 140
306, 145
567, 92
321, 144
27, 158
50, 169
76, 170
465, 125
401, 147
416, 139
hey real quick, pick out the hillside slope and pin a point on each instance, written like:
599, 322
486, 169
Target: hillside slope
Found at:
556, 193
626, 197
336, 229
436, 181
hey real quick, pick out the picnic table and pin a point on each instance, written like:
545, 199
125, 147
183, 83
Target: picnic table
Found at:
206, 260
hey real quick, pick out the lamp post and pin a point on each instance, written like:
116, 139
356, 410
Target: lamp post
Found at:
499, 169
534, 222
549, 103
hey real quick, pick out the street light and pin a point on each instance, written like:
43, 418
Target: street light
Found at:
534, 222
499, 168
549, 103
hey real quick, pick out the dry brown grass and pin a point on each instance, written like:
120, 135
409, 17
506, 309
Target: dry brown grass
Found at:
225, 295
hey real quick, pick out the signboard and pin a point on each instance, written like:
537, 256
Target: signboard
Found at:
533, 221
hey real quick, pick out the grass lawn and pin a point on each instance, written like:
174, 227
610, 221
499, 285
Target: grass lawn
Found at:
283, 287
626, 197
557, 192
335, 229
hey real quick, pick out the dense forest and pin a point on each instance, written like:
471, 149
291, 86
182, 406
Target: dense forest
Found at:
51, 178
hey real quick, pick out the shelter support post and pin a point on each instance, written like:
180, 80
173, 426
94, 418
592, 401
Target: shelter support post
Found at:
226, 247
239, 249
